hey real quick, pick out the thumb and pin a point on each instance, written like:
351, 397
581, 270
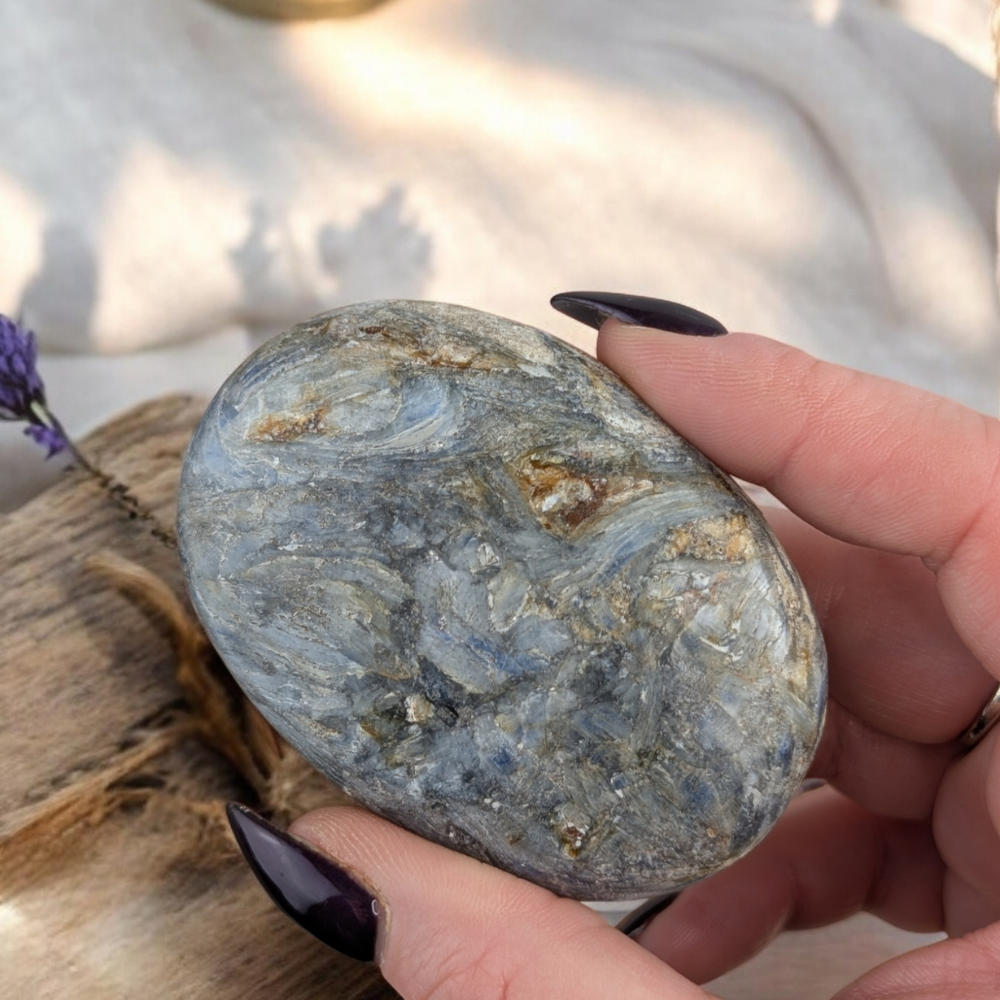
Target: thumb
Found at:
441, 924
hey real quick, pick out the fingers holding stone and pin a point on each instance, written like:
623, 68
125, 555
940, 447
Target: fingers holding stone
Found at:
896, 662
884, 774
862, 458
826, 859
869, 460
967, 830
456, 929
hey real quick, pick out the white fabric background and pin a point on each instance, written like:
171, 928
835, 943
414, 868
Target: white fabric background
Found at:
177, 182
817, 171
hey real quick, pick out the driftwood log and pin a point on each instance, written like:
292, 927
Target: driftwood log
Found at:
118, 875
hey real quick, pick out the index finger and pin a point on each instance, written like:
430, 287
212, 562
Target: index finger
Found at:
865, 459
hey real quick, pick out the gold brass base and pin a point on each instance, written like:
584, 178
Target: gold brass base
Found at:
295, 10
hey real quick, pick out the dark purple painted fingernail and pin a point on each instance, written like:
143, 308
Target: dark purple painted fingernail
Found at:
593, 308
642, 915
316, 893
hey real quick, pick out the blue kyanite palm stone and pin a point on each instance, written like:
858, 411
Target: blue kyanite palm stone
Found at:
480, 585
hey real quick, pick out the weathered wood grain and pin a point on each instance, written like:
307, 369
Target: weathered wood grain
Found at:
139, 890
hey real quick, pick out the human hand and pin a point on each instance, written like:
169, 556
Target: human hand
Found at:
895, 529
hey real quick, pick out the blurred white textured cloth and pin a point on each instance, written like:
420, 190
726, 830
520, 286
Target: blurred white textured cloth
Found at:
177, 179
819, 171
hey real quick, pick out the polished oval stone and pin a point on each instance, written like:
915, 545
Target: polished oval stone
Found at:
475, 581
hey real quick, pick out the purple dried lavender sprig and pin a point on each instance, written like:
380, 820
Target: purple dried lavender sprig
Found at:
22, 394
22, 397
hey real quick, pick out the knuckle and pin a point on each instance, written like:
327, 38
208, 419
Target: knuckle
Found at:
490, 955
460, 971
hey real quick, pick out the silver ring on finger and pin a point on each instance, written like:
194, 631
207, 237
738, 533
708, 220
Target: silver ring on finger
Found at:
987, 719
